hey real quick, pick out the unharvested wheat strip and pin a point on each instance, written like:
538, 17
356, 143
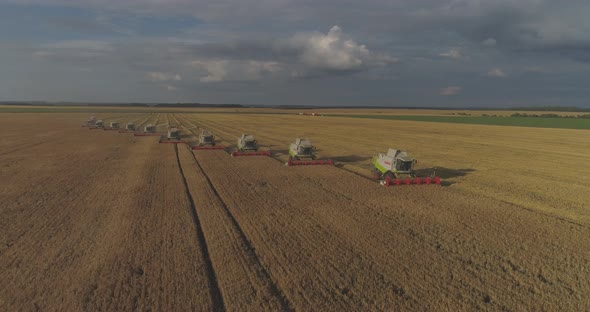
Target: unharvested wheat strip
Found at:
535, 168
244, 283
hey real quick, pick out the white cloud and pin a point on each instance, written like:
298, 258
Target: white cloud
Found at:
216, 70
171, 88
496, 72
334, 51
490, 42
453, 53
160, 76
451, 90
236, 70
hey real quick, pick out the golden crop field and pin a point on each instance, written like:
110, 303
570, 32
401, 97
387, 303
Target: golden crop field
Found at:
102, 220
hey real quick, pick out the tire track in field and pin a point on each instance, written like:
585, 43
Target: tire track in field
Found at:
214, 289
276, 291
266, 292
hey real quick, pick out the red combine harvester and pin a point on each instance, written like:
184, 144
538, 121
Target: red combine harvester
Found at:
302, 153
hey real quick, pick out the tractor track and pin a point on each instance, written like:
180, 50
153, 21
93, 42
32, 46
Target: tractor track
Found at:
275, 290
214, 288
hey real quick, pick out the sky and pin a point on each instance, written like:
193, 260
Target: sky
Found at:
436, 53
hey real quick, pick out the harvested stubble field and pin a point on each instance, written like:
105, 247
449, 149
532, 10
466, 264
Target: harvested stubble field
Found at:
104, 220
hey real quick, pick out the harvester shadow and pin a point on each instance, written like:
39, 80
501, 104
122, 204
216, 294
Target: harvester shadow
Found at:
279, 152
350, 158
445, 173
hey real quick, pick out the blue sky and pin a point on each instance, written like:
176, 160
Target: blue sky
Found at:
450, 53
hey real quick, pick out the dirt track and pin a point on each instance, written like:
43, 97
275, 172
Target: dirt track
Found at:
113, 222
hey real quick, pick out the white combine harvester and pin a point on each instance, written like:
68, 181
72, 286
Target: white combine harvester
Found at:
113, 126
172, 136
248, 146
91, 122
206, 142
390, 167
302, 152
98, 124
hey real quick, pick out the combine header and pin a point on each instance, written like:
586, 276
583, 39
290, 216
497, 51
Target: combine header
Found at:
302, 153
247, 146
206, 142
389, 167
148, 130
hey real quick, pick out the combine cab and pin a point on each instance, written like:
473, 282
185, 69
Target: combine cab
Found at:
247, 146
99, 124
113, 126
206, 141
390, 168
148, 130
129, 128
247, 143
172, 136
91, 122
302, 152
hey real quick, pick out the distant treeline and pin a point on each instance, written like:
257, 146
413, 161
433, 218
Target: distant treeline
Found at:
122, 104
206, 105
583, 116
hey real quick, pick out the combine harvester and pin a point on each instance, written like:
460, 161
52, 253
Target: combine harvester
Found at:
148, 130
207, 142
396, 163
91, 122
113, 126
247, 146
129, 128
99, 124
173, 136
302, 153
